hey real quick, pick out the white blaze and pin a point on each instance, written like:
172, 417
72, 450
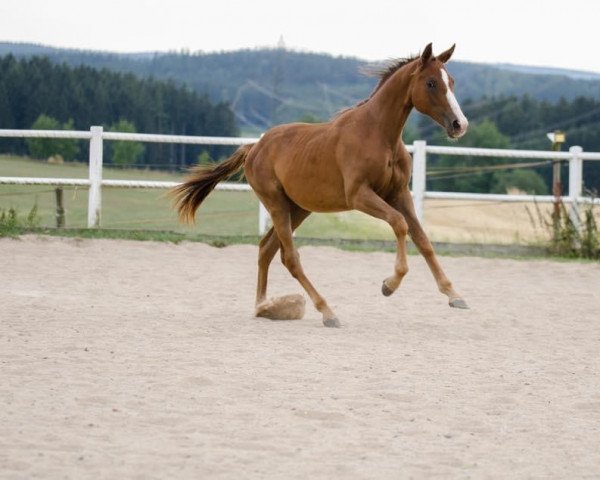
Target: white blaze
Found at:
453, 103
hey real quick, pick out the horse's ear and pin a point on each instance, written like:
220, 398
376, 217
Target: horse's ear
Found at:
445, 56
426, 55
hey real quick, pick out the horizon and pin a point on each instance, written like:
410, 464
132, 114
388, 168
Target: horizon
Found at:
535, 33
184, 51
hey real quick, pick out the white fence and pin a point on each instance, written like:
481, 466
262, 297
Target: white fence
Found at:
575, 156
95, 182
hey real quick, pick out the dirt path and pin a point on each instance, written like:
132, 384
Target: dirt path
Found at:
133, 359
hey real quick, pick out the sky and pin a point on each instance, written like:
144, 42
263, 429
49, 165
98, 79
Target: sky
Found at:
549, 33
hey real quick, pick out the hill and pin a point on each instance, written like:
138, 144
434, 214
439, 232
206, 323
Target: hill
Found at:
508, 106
269, 86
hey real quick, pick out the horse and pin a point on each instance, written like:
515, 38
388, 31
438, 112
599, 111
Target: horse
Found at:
355, 161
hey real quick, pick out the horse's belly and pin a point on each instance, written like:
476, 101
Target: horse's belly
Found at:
317, 197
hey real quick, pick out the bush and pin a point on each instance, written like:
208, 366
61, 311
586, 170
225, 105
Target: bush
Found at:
590, 244
566, 239
11, 224
44, 148
524, 180
125, 152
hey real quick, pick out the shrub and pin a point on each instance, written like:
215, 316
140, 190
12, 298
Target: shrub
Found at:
566, 238
11, 224
44, 148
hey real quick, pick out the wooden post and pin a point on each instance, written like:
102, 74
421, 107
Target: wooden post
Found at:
575, 183
60, 209
557, 138
557, 192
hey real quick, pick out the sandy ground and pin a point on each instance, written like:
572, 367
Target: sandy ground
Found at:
143, 360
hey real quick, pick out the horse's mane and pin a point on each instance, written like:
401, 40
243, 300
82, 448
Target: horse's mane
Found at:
384, 72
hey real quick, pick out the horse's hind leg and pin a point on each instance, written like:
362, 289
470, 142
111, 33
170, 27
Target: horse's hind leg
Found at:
268, 247
281, 214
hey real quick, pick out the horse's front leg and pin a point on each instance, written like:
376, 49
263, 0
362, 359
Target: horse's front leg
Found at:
403, 202
367, 201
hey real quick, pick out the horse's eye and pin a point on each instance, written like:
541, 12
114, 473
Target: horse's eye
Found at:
430, 83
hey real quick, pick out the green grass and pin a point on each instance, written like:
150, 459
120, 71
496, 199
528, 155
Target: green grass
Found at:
225, 217
222, 214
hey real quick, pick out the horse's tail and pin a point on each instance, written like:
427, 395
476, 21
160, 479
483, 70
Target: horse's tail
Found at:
202, 180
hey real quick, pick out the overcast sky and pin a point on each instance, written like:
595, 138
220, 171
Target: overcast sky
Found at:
544, 33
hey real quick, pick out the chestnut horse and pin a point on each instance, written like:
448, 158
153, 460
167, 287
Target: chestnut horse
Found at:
355, 161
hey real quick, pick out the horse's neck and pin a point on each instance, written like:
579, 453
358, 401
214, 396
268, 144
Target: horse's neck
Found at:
391, 104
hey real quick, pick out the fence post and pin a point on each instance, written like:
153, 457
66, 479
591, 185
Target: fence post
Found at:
264, 219
95, 176
418, 177
575, 182
60, 209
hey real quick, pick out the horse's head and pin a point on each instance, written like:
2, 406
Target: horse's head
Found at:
433, 92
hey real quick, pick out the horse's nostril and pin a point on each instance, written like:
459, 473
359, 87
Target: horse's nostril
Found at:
456, 125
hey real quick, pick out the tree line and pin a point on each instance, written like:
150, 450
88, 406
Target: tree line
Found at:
79, 97
276, 85
516, 123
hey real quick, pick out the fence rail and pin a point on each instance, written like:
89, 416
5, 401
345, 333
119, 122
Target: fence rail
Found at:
419, 149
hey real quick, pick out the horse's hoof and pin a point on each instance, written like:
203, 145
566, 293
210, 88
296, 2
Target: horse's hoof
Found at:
332, 323
458, 303
387, 291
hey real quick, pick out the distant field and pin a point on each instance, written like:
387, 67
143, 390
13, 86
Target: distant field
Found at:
236, 213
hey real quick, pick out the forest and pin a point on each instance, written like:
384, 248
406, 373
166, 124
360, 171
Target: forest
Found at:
276, 85
35, 89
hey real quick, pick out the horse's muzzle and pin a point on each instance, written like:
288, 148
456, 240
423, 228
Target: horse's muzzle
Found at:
457, 127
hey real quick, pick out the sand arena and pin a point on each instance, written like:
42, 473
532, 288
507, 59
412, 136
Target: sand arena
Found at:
143, 360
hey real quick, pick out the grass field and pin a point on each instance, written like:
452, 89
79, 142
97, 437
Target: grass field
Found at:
236, 213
